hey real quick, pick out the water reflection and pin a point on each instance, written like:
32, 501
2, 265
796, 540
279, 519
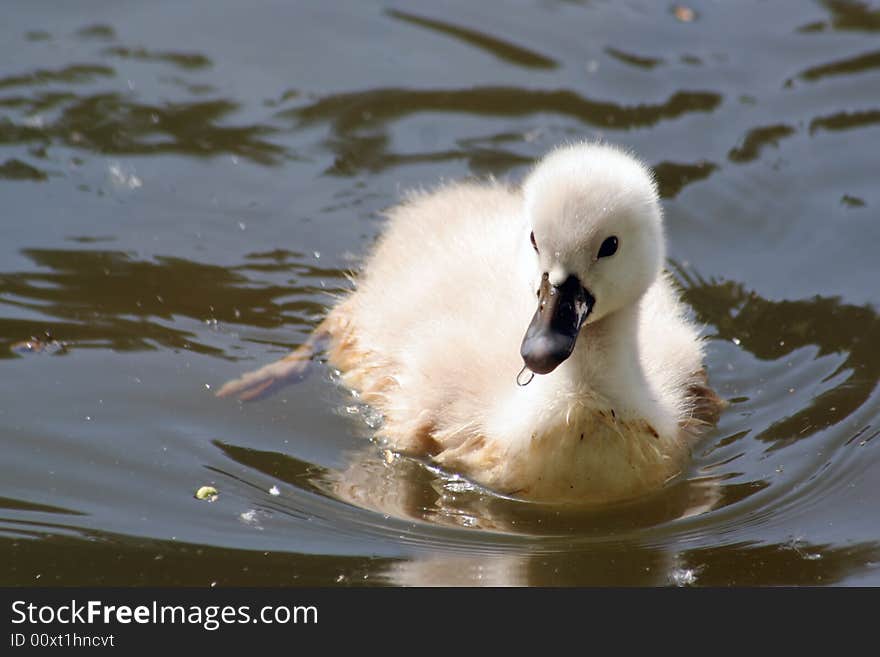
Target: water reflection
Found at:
791, 563
105, 559
756, 140
17, 170
407, 488
847, 15
115, 123
22, 505
772, 330
858, 64
187, 61
111, 299
845, 121
359, 121
634, 60
72, 74
504, 50
349, 112
96, 32
672, 177
554, 546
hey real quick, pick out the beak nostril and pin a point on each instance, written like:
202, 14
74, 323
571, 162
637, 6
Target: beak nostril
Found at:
551, 335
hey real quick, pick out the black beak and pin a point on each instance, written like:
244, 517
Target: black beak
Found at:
561, 312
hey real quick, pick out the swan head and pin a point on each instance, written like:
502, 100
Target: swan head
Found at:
596, 234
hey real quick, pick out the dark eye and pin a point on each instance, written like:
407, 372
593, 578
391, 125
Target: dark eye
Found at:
608, 248
534, 244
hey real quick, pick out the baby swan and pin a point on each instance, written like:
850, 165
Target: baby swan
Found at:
444, 318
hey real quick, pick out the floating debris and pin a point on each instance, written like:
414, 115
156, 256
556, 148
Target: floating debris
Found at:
39, 345
852, 201
208, 493
684, 14
274, 491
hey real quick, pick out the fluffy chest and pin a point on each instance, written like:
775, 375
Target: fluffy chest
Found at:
589, 456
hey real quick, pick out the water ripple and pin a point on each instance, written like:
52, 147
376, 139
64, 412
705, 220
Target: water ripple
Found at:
504, 50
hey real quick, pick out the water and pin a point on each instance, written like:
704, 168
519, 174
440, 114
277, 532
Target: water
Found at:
185, 184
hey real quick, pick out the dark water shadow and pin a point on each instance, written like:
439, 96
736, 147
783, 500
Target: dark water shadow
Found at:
846, 16
359, 121
756, 140
113, 300
792, 563
672, 177
23, 505
503, 50
845, 121
70, 74
738, 564
112, 123
353, 110
96, 32
14, 169
183, 60
638, 61
115, 123
771, 330
107, 559
104, 559
859, 64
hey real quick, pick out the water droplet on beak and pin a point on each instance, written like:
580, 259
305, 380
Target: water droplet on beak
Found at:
524, 377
